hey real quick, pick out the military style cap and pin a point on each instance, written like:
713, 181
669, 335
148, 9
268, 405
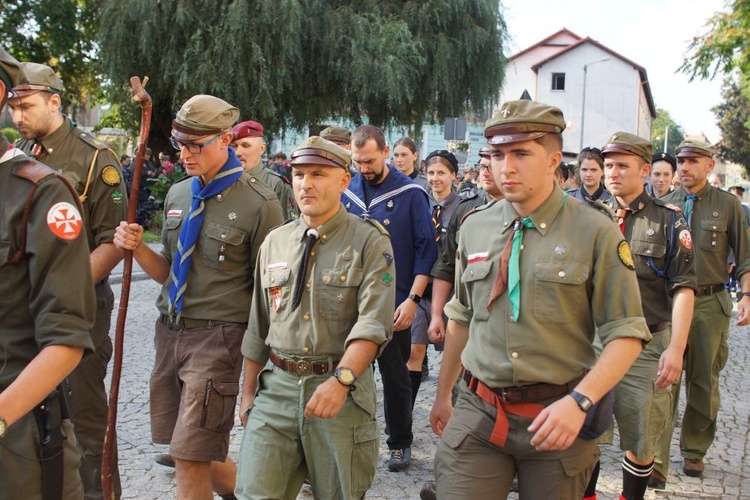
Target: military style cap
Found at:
318, 151
247, 129
665, 157
485, 152
629, 144
524, 120
37, 78
445, 154
691, 148
737, 188
10, 70
339, 135
203, 115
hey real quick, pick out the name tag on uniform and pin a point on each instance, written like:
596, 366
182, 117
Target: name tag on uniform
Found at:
478, 257
277, 266
174, 213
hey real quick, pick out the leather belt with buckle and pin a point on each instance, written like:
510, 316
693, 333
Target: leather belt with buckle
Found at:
187, 323
301, 366
709, 290
533, 393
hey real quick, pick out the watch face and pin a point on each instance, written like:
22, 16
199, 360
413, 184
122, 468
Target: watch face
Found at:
2, 427
346, 376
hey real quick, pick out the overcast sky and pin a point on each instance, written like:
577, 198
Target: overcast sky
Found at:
652, 33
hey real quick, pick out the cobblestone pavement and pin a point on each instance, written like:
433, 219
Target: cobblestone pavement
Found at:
727, 474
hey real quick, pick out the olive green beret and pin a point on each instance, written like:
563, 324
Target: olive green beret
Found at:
203, 115
629, 144
691, 148
37, 78
339, 135
523, 120
10, 70
318, 151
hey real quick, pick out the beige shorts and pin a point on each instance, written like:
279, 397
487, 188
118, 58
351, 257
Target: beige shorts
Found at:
194, 389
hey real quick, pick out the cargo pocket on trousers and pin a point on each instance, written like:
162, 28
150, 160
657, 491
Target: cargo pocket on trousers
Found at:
364, 457
218, 405
575, 465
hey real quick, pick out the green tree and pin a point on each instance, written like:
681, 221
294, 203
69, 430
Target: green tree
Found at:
733, 117
659, 127
290, 63
59, 33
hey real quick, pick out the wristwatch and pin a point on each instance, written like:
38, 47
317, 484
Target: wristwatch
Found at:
413, 296
584, 402
345, 376
3, 427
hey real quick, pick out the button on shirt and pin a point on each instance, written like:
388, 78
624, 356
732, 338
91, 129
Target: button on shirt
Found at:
572, 280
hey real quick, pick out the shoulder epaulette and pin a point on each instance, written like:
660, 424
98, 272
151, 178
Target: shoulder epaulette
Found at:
266, 192
379, 227
90, 139
478, 209
470, 198
665, 204
600, 206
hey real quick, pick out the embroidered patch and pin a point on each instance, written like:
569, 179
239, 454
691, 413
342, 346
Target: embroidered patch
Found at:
174, 213
116, 197
111, 176
388, 258
623, 252
477, 257
686, 239
64, 220
386, 278
672, 207
276, 266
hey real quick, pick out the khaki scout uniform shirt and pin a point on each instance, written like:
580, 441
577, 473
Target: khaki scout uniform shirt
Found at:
659, 237
574, 277
349, 294
279, 186
717, 226
36, 308
236, 221
70, 151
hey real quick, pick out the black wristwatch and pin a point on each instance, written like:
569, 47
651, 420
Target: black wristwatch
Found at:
345, 376
584, 402
413, 296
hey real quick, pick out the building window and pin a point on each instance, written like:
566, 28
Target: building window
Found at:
558, 81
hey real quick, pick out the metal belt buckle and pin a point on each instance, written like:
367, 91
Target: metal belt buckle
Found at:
303, 367
512, 394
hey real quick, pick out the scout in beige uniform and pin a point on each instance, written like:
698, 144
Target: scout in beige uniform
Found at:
95, 172
322, 311
249, 147
44, 329
531, 373
214, 224
717, 224
662, 250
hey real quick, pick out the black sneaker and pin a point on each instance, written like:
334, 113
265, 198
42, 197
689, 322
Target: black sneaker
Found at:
400, 460
428, 491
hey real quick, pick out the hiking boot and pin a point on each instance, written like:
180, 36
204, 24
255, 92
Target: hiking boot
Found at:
657, 481
400, 460
693, 467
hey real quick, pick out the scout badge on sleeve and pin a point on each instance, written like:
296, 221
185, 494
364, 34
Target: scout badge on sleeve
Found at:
64, 221
685, 239
623, 252
110, 176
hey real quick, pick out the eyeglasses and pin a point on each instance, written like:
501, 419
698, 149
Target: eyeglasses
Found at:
592, 150
480, 167
192, 147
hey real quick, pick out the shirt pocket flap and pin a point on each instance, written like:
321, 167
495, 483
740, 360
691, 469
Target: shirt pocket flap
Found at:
226, 388
173, 222
343, 277
648, 248
571, 273
476, 271
225, 234
278, 277
719, 226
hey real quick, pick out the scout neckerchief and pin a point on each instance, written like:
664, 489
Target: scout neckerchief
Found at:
690, 200
437, 214
191, 228
299, 286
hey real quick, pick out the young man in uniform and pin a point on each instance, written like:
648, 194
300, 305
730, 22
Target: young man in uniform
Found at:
717, 224
531, 375
383, 193
322, 311
249, 146
214, 224
662, 250
44, 328
95, 172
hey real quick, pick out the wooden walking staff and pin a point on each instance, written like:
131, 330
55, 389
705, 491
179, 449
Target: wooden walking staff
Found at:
144, 100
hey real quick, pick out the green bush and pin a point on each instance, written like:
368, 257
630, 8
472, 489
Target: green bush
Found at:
11, 134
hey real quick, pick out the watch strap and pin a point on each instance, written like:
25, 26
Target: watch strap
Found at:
413, 296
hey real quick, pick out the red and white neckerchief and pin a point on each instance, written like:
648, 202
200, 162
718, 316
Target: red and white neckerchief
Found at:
11, 152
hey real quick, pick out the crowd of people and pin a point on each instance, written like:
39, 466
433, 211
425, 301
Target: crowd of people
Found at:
564, 301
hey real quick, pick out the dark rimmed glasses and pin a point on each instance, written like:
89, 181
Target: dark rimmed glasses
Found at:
192, 147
